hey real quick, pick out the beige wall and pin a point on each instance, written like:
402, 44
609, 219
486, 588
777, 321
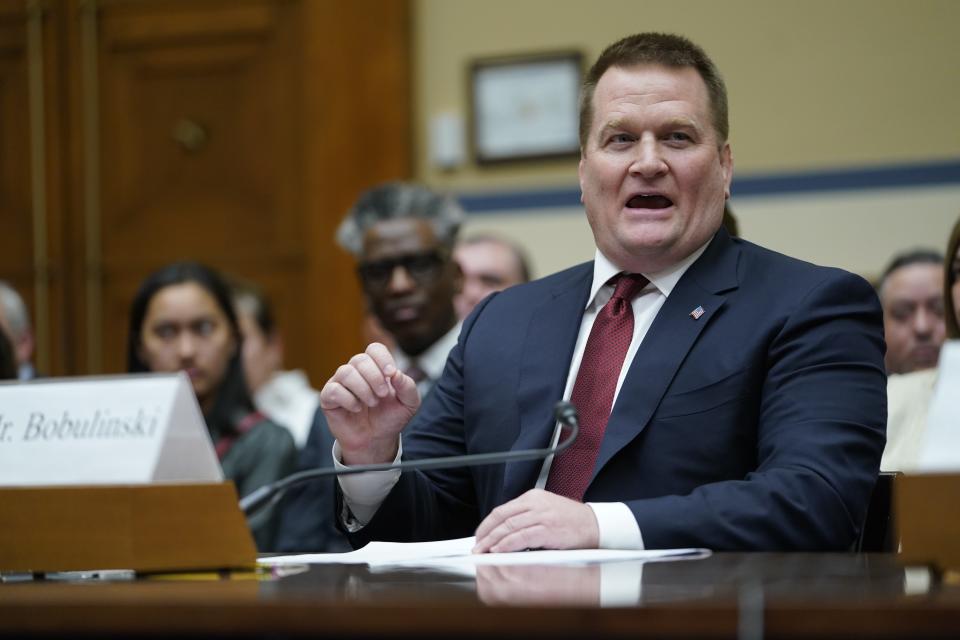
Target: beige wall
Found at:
813, 84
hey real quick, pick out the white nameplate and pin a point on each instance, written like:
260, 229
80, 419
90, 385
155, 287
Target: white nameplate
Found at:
941, 443
134, 429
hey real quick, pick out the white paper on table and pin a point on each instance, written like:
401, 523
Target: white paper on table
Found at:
457, 553
378, 552
941, 446
547, 557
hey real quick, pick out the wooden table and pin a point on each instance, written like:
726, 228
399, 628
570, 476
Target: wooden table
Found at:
770, 595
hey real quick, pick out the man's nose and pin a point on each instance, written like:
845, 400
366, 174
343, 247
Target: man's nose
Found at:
648, 161
472, 287
924, 322
400, 280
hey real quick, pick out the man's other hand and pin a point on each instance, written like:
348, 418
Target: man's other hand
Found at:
538, 520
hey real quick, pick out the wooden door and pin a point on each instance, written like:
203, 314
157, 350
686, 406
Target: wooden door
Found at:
199, 117
16, 211
32, 249
234, 132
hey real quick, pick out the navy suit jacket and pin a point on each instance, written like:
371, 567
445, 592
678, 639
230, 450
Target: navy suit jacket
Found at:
758, 425
306, 519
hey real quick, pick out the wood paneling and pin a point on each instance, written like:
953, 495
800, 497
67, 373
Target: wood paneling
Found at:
31, 229
358, 134
235, 132
200, 117
15, 211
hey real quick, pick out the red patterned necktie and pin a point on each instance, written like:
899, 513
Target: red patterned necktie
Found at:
595, 386
414, 371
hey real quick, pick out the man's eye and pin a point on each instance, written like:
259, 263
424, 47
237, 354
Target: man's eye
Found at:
621, 138
424, 266
492, 280
377, 271
901, 313
678, 136
380, 270
419, 263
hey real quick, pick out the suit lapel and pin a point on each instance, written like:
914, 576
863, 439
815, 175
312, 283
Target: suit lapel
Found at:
544, 365
673, 332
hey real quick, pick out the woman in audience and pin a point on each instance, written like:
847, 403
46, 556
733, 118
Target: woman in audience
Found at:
909, 394
182, 319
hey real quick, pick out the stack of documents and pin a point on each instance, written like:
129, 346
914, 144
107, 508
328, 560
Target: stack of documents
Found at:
457, 554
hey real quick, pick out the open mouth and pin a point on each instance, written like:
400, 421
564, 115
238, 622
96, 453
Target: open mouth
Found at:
655, 201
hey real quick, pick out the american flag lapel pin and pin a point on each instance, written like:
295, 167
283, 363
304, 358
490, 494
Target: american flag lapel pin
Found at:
696, 313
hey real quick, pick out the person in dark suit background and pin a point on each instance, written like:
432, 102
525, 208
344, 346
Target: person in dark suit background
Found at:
489, 263
402, 236
731, 397
8, 364
15, 320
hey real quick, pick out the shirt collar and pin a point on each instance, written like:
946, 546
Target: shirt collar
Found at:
434, 358
664, 281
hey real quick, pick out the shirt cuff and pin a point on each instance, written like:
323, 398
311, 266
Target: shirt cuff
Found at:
618, 526
363, 493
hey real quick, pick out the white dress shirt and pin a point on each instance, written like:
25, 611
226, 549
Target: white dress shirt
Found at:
908, 402
26, 372
288, 399
363, 493
431, 361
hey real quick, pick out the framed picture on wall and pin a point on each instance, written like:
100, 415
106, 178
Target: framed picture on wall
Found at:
525, 107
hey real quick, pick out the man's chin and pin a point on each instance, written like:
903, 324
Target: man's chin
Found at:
646, 252
411, 339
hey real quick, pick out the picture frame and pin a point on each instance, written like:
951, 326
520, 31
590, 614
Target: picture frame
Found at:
525, 107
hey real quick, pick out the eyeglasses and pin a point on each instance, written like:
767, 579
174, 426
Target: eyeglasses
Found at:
422, 267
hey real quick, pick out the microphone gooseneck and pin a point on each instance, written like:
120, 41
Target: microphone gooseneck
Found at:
564, 412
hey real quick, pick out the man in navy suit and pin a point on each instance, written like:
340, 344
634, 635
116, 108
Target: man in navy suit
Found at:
735, 398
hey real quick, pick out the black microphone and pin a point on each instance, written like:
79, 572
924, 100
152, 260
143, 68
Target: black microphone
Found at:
564, 412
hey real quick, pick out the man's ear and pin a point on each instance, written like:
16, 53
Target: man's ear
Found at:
457, 275
275, 342
23, 348
580, 175
726, 164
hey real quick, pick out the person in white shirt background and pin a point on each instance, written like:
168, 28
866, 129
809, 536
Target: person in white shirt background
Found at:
285, 396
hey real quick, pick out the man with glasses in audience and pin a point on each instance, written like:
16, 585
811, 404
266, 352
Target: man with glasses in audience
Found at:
403, 236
